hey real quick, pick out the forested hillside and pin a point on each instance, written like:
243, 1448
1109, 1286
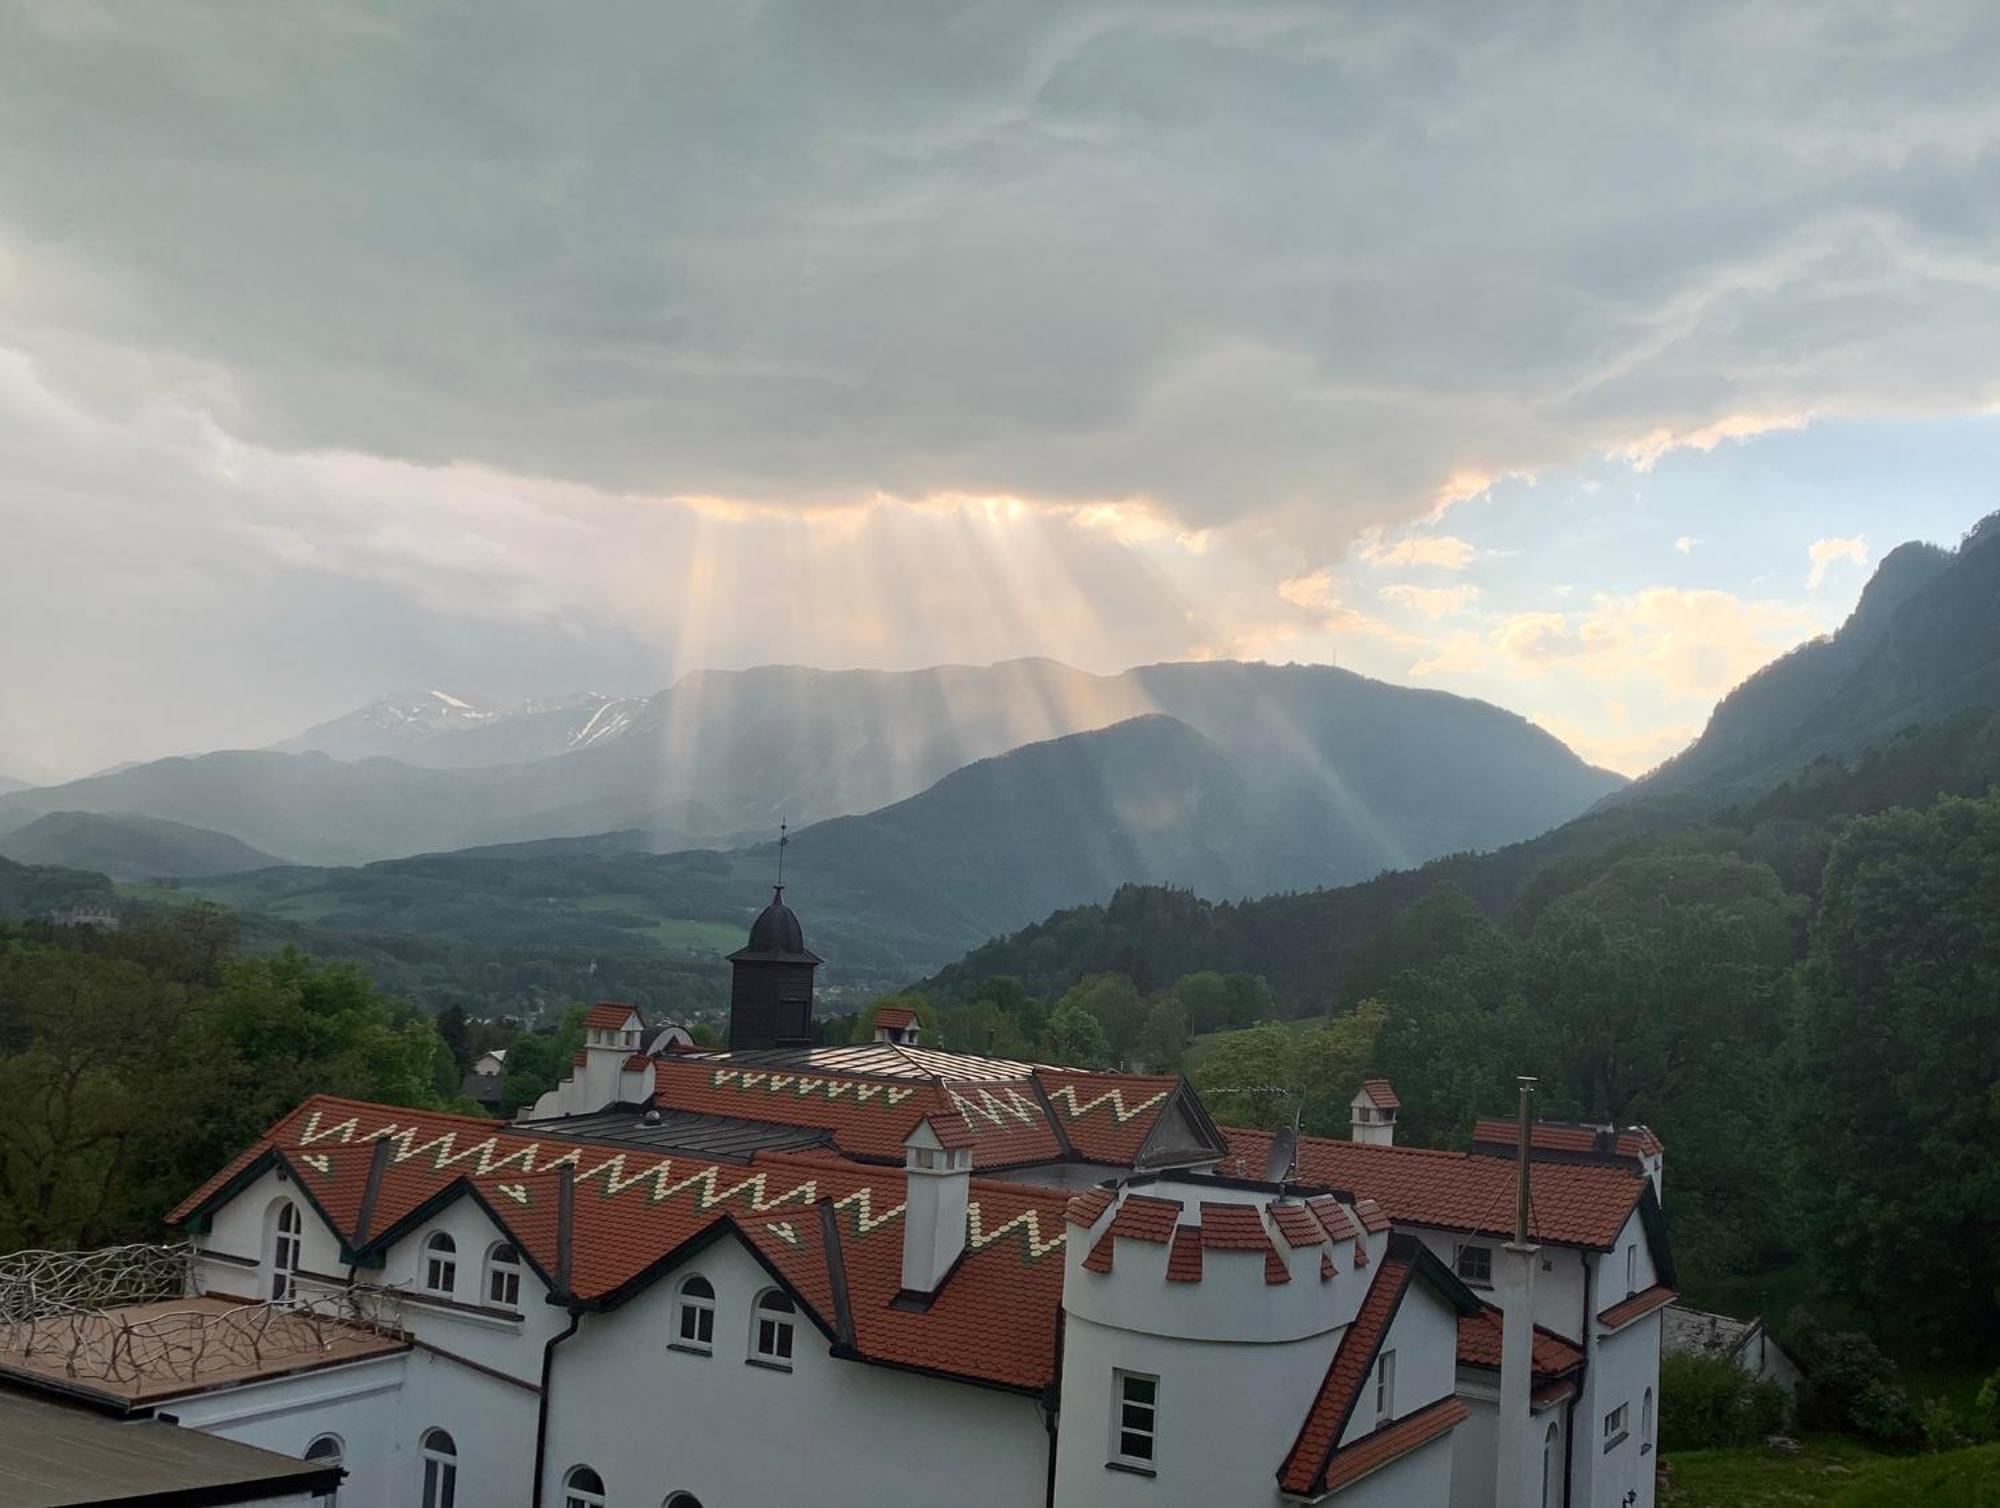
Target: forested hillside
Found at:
1801, 994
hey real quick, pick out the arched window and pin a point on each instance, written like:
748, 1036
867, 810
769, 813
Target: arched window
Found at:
503, 1276
681, 1500
325, 1451
771, 1337
440, 1470
1646, 1421
583, 1488
1552, 1469
695, 1329
440, 1263
287, 1232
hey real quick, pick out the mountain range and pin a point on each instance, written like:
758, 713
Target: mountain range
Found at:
125, 846
1923, 641
1900, 705
720, 758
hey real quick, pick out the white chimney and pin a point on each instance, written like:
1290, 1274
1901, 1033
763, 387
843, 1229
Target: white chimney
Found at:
1373, 1110
937, 1174
1514, 1281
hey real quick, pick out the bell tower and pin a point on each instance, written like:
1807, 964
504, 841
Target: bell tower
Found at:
771, 982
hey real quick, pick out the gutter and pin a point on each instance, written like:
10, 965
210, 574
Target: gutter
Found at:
565, 1232
1051, 1402
542, 1404
1582, 1372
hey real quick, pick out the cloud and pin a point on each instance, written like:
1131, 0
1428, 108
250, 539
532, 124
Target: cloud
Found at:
1351, 262
530, 351
1314, 589
1685, 544
1440, 550
1824, 553
1692, 645
1630, 751
1432, 601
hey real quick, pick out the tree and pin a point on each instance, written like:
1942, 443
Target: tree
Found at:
1897, 1087
1076, 1038
1264, 1075
457, 1033
1115, 1003
1163, 1037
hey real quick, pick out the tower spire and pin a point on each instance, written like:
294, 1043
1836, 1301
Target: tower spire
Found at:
784, 838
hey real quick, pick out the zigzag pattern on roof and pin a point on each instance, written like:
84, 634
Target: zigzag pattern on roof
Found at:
1114, 1097
485, 1159
1028, 1222
992, 1107
802, 1085
862, 1203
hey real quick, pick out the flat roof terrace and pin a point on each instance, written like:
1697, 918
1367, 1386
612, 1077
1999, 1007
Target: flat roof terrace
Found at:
137, 1355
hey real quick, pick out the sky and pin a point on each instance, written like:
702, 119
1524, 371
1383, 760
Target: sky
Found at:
1577, 358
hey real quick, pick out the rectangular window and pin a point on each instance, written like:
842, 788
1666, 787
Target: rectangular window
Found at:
1614, 1426
1475, 1264
1135, 1399
1385, 1388
1631, 1270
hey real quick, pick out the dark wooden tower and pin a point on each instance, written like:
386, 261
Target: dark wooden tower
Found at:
771, 984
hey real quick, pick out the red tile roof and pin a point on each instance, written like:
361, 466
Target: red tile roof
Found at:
1369, 1213
1372, 1452
1641, 1304
637, 1060
1298, 1225
1572, 1204
1143, 1218
608, 1016
1479, 1345
1107, 1116
1567, 1136
1379, 1091
895, 1017
994, 1320
1084, 1208
1233, 1227
1184, 1256
1305, 1466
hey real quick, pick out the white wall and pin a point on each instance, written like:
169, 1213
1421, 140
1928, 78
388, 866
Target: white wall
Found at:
1622, 1368
513, 1346
1558, 1281
360, 1403
653, 1421
1424, 1336
240, 1228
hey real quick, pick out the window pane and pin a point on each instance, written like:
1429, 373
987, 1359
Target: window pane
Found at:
1139, 1389
1139, 1447
1136, 1416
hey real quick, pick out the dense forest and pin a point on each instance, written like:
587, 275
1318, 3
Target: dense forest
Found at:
1801, 994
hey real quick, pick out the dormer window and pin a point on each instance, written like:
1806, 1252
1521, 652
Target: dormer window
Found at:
695, 1325
503, 1277
440, 1264
771, 1338
1385, 1389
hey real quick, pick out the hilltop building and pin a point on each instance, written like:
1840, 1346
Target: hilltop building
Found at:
780, 1272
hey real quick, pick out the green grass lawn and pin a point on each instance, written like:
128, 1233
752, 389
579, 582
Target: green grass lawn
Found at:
1833, 1472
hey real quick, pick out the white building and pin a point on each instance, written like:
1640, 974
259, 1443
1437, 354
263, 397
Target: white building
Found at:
860, 1275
